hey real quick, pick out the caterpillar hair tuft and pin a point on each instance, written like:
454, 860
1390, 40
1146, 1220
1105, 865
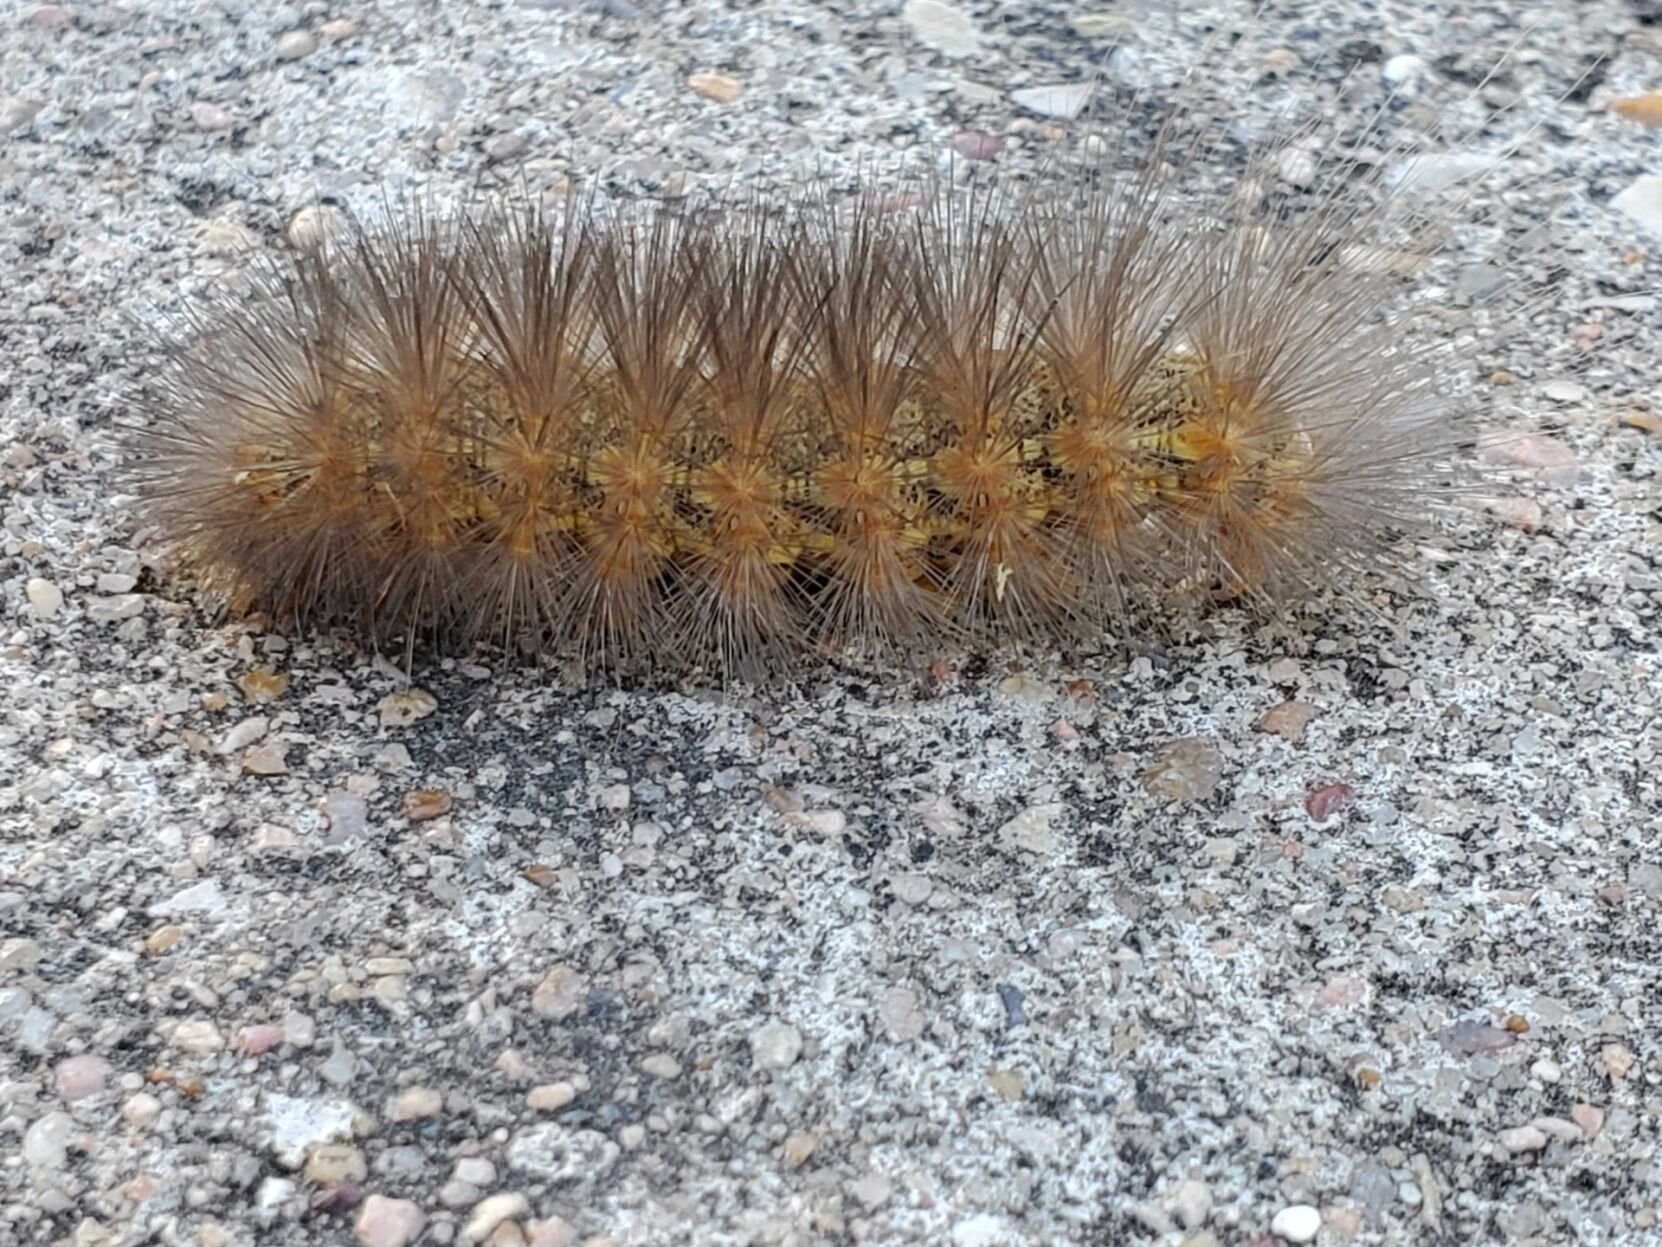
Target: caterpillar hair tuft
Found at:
738, 435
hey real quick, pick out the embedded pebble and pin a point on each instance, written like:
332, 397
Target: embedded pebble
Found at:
387, 1222
316, 224
1403, 69
560, 993
491, 1212
903, 1015
413, 1104
1288, 720
295, 44
405, 707
1617, 1060
776, 1046
717, 87
141, 1110
1589, 1118
1523, 1139
550, 1097
1184, 770
79, 1077
198, 1037
1297, 1224
46, 1141
334, 1163
45, 598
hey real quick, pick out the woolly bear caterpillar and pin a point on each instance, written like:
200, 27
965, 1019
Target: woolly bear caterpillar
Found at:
739, 435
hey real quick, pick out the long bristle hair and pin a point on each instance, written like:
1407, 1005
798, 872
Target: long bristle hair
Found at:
677, 435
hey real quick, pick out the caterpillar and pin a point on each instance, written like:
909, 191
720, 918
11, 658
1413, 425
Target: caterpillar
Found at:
739, 435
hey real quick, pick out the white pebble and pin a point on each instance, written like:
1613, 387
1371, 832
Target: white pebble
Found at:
46, 1142
491, 1212
1297, 1224
296, 44
475, 1169
141, 1109
198, 1038
1401, 70
1523, 1139
776, 1046
45, 598
1296, 167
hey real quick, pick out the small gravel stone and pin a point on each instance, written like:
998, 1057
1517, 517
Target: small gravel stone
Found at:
45, 598
141, 1110
505, 147
1559, 1128
198, 1037
717, 87
560, 993
661, 1065
1296, 167
1617, 1060
1297, 1224
1184, 770
1403, 69
210, 118
314, 225
475, 1170
776, 1046
405, 707
46, 1141
295, 44
414, 1104
977, 145
491, 1212
1288, 720
1523, 1139
384, 1222
266, 759
550, 1097
19, 954
902, 1014
334, 1163
80, 1077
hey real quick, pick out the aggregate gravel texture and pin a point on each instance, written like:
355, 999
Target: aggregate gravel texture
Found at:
1348, 931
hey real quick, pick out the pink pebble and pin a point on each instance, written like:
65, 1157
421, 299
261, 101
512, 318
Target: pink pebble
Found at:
977, 145
1327, 801
81, 1076
254, 1040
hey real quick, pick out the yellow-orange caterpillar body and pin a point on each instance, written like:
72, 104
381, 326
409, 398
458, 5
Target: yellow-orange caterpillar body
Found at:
735, 437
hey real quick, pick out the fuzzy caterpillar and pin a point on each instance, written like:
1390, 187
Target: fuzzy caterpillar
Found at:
735, 438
